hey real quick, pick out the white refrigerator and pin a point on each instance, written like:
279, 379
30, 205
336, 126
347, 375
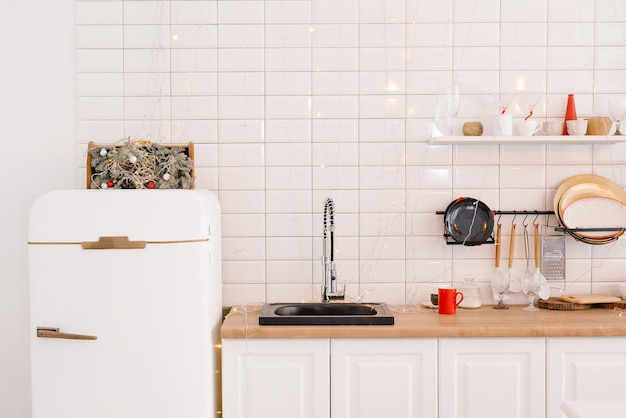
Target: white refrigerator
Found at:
126, 306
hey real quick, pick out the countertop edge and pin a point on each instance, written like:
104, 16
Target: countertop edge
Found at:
426, 323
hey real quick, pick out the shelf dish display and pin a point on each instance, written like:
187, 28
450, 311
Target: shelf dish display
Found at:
536, 139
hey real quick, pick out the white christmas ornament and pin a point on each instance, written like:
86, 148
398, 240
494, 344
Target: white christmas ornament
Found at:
132, 159
103, 152
166, 176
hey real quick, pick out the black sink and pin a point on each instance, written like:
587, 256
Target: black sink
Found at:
326, 314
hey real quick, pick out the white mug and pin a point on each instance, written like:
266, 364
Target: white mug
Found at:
577, 127
503, 125
553, 127
527, 127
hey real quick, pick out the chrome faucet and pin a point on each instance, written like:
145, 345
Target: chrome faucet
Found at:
329, 287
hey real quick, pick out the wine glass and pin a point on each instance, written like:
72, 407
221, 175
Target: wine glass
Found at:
617, 113
453, 100
452, 104
500, 283
505, 99
529, 101
530, 286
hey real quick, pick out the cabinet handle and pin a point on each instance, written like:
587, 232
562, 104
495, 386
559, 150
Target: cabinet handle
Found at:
108, 243
44, 332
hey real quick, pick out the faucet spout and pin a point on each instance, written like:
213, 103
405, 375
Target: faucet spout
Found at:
329, 286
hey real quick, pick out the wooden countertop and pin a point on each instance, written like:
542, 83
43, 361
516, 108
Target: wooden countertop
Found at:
420, 322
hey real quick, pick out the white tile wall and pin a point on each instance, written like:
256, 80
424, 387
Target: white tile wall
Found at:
290, 101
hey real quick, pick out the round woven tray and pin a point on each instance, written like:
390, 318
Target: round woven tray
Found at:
559, 305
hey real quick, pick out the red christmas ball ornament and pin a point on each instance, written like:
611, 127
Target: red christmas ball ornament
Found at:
150, 185
109, 184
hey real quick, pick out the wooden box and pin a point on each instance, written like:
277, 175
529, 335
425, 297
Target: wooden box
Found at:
188, 149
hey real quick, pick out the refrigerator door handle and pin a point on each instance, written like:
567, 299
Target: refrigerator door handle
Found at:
107, 243
46, 332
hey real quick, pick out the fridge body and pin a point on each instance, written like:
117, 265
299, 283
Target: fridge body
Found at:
125, 291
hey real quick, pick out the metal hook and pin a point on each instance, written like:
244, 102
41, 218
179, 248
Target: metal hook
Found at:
514, 216
524, 221
499, 217
536, 217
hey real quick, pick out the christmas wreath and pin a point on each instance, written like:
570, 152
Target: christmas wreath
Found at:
140, 165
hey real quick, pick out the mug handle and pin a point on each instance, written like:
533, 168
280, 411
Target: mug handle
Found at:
458, 301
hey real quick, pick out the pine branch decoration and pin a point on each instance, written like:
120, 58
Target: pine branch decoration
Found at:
140, 165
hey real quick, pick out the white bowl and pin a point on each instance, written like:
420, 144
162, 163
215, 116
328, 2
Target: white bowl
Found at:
622, 290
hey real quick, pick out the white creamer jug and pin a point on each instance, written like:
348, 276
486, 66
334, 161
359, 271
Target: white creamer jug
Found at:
472, 297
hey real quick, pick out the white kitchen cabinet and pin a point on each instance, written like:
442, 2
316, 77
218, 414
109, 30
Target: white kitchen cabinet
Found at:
373, 378
356, 378
278, 378
585, 370
491, 377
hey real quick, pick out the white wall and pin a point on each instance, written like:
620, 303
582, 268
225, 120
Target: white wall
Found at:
37, 131
290, 101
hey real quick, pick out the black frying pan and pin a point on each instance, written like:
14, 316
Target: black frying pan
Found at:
468, 221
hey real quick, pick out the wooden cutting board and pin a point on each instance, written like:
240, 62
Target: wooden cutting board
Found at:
560, 305
590, 299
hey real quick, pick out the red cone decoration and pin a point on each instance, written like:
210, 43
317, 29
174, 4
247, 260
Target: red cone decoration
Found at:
570, 112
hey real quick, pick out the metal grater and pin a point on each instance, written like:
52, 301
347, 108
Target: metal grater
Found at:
553, 257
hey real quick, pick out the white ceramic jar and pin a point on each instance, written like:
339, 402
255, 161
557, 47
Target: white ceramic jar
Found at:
472, 297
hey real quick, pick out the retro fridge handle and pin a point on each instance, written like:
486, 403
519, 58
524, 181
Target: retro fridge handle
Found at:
108, 243
45, 332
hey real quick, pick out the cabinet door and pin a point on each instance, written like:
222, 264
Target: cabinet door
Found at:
384, 378
278, 378
492, 377
585, 369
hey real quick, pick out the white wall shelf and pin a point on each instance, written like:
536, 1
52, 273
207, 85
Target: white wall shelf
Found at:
539, 139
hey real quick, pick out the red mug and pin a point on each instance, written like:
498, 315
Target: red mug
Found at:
449, 300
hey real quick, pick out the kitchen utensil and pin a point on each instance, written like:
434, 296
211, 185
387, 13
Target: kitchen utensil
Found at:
452, 105
529, 270
617, 113
588, 179
590, 298
527, 127
468, 221
472, 296
553, 127
529, 283
544, 288
530, 287
449, 299
600, 125
503, 125
577, 127
500, 281
505, 99
434, 299
553, 257
529, 100
589, 186
595, 213
560, 305
514, 283
472, 129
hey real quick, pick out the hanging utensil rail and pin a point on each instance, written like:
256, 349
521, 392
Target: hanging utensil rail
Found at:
559, 228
